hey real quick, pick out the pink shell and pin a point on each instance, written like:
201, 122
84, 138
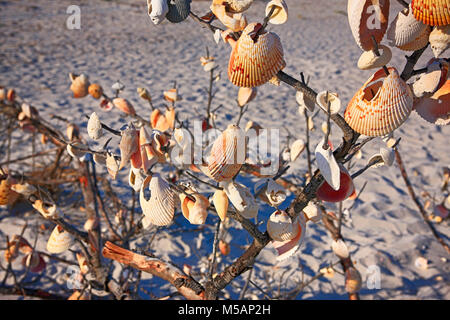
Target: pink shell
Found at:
124, 106
381, 105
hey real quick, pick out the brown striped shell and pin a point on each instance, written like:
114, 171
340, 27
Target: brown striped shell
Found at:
432, 12
253, 63
381, 105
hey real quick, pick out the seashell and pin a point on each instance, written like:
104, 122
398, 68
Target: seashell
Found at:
79, 86
327, 272
94, 127
224, 248
369, 59
419, 42
178, 10
381, 105
340, 249
160, 208
2, 93
195, 211
346, 188
29, 111
7, 195
432, 12
241, 198
227, 155
217, 36
135, 179
124, 106
106, 105
209, 66
245, 95
275, 193
163, 122
144, 94
252, 125
440, 40
280, 14
281, 227
353, 281
59, 241
157, 10
82, 263
312, 213
129, 144
90, 224
333, 99
16, 245
24, 189
297, 148
387, 156
285, 249
148, 154
405, 28
234, 21
220, 201
118, 86
95, 90
112, 165
254, 61
421, 263
362, 22
34, 262
73, 132
76, 150
47, 211
235, 6
304, 101
436, 109
172, 95
328, 166
432, 80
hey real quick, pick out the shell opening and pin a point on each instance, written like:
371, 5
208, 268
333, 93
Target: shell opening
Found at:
372, 90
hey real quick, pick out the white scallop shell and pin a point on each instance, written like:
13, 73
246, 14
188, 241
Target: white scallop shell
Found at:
404, 28
369, 59
328, 166
59, 241
340, 249
297, 148
333, 99
157, 10
281, 227
94, 127
241, 198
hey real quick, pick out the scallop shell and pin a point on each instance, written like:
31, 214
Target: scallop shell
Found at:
95, 90
432, 80
280, 14
245, 95
79, 86
353, 281
129, 144
340, 249
418, 43
94, 127
220, 201
195, 211
234, 21
59, 241
440, 40
227, 155
436, 109
242, 199
124, 106
281, 227
286, 249
255, 63
312, 213
405, 28
297, 148
381, 105
369, 59
178, 10
333, 98
366, 23
160, 208
157, 10
328, 166
304, 101
135, 179
432, 12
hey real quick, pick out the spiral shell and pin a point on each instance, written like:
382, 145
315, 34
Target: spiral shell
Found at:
124, 106
178, 10
59, 241
281, 227
195, 211
418, 43
242, 199
405, 28
440, 40
254, 62
369, 59
79, 86
157, 10
95, 90
160, 208
94, 127
280, 14
361, 15
381, 105
432, 12
436, 109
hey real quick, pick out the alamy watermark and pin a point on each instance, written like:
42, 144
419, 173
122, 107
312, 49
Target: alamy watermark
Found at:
73, 22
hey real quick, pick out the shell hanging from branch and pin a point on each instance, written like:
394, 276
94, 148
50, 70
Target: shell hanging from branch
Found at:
436, 109
235, 6
241, 198
79, 86
346, 188
7, 195
124, 106
157, 10
418, 43
405, 28
280, 13
94, 127
195, 211
281, 227
440, 40
95, 90
328, 165
245, 95
370, 60
129, 144
178, 10
234, 21
432, 12
332, 98
432, 80
59, 241
220, 201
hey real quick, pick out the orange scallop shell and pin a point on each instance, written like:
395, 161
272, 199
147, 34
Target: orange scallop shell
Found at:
255, 63
381, 105
432, 12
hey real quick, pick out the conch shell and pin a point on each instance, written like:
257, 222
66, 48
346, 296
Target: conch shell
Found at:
440, 40
79, 86
195, 211
157, 10
59, 241
432, 12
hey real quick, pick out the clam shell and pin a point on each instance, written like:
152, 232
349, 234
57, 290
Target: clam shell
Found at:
95, 90
124, 106
440, 40
353, 281
340, 249
255, 63
333, 98
242, 199
280, 14
245, 95
227, 155
94, 127
418, 43
234, 21
286, 249
366, 23
178, 10
312, 213
80, 86
59, 241
381, 105
157, 10
129, 144
432, 12
135, 179
369, 60
196, 211
304, 101
328, 166
281, 227
297, 148
405, 28
220, 201
432, 80
160, 208
436, 109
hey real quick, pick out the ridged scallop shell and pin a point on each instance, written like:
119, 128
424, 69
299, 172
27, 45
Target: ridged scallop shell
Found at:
432, 12
234, 21
94, 127
366, 23
418, 43
404, 29
59, 241
245, 95
124, 106
333, 98
440, 40
255, 63
340, 249
280, 14
381, 105
227, 155
157, 10
286, 249
79, 86
281, 227
369, 59
436, 109
242, 199
220, 201
160, 208
178, 10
